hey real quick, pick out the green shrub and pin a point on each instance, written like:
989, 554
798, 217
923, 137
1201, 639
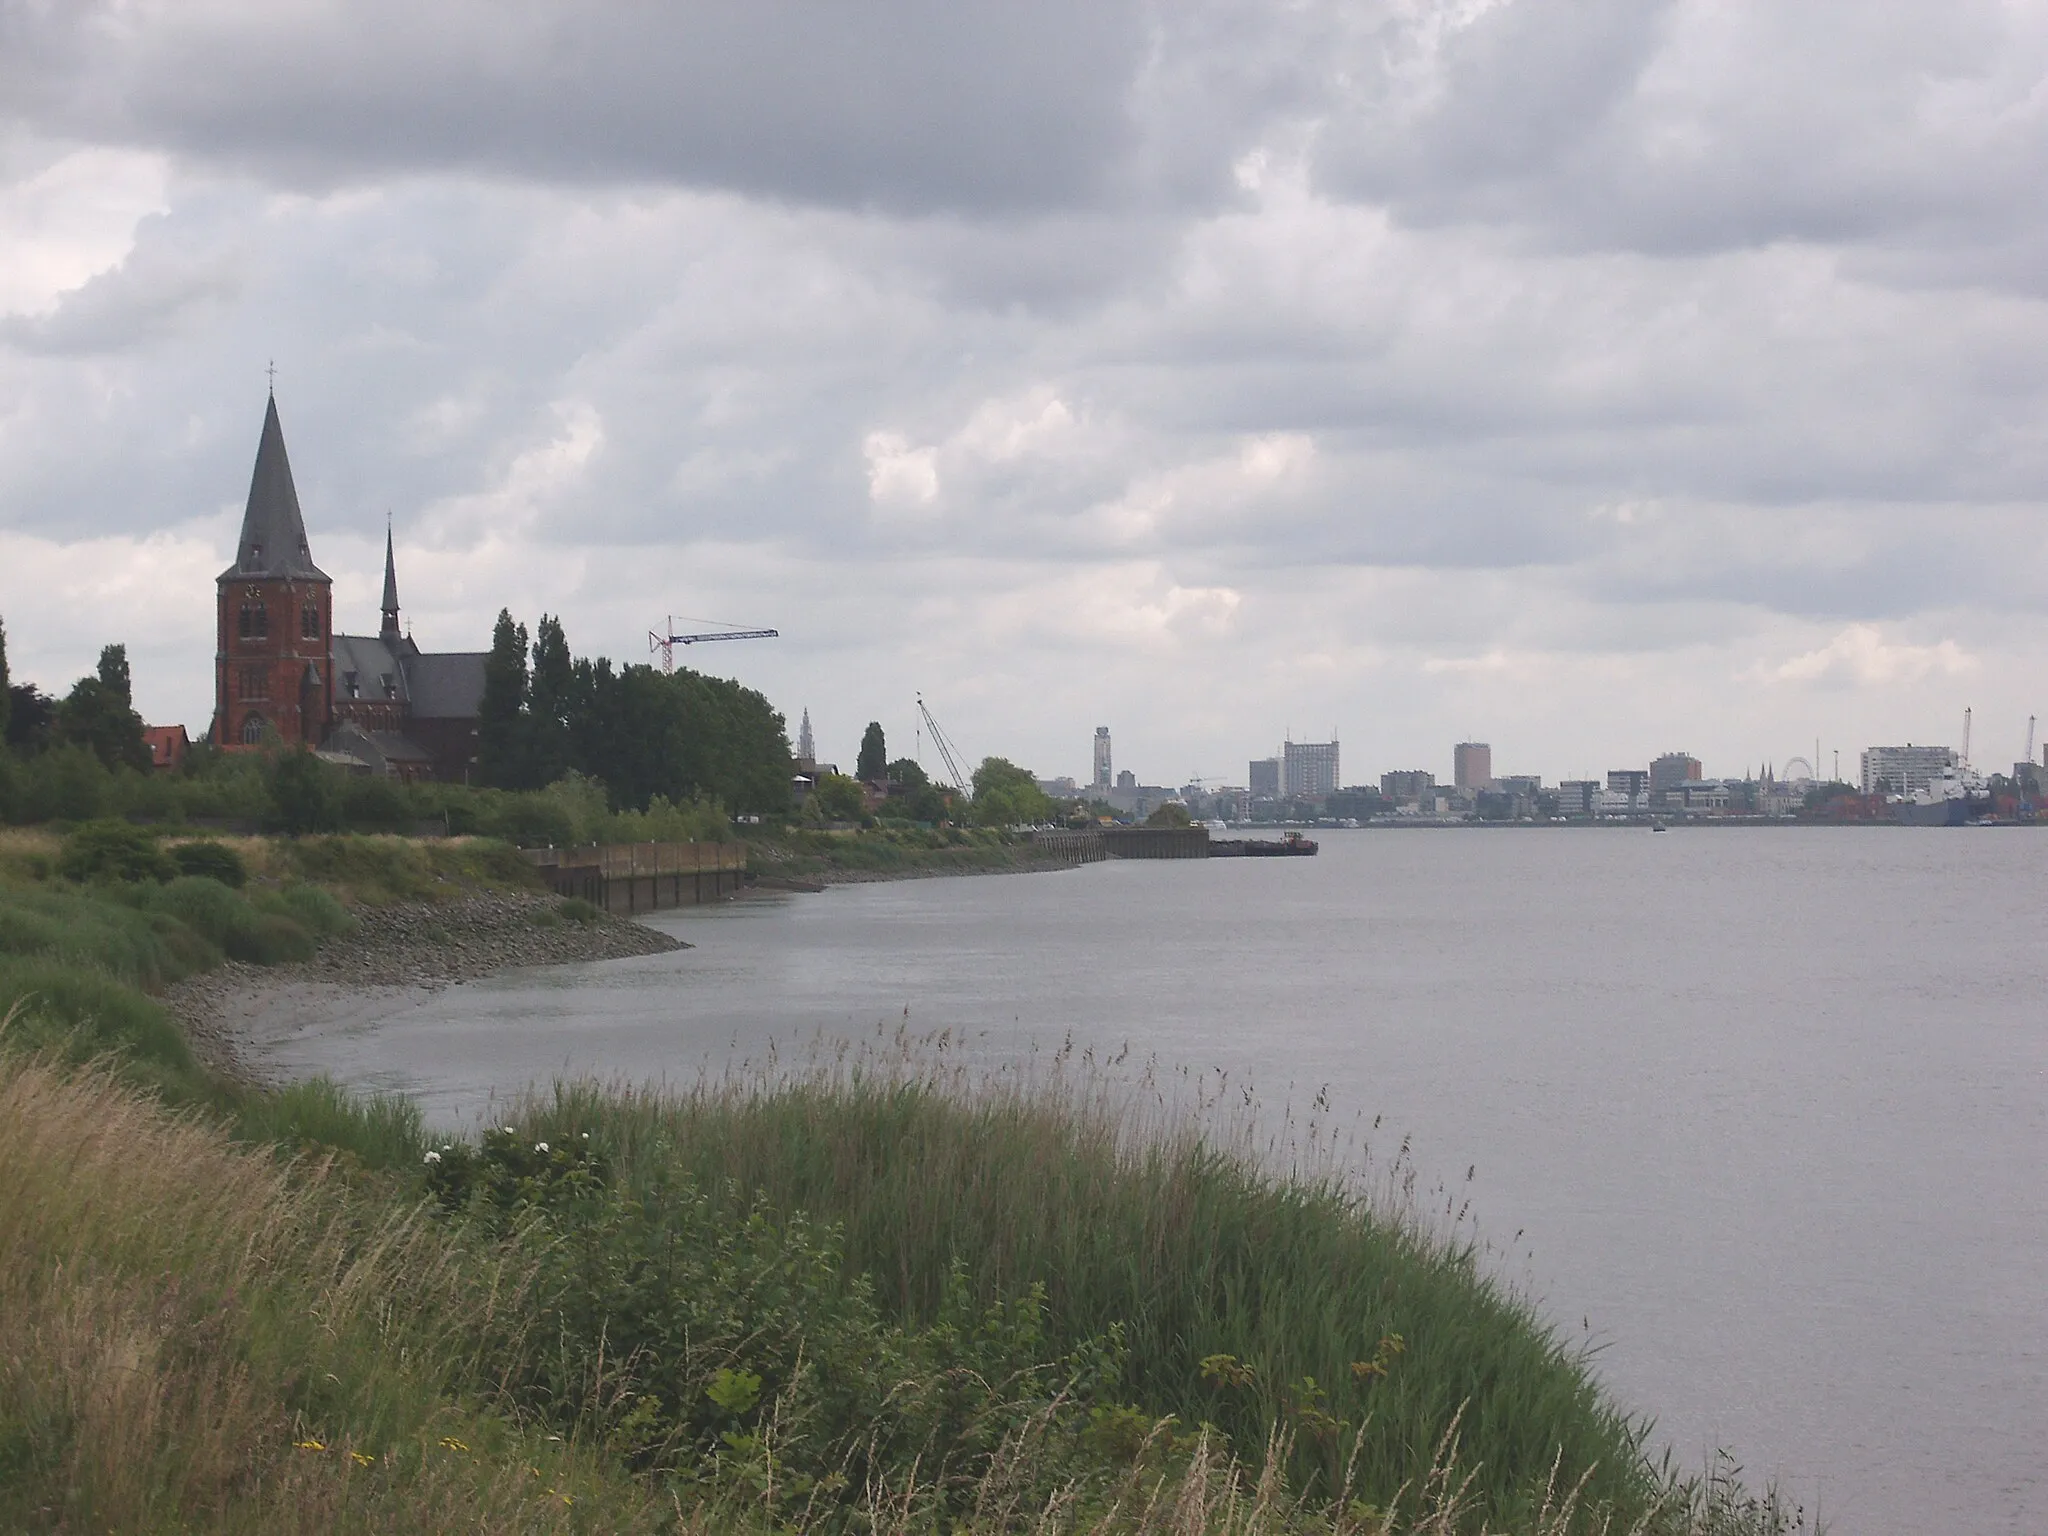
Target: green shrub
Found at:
113, 850
86, 1014
212, 861
577, 910
685, 1334
373, 802
205, 906
89, 929
271, 938
65, 783
312, 908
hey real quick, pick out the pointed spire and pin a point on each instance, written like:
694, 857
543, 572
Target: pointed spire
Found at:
390, 629
273, 541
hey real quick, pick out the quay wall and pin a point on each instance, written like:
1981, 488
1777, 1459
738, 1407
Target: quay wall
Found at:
1091, 844
625, 878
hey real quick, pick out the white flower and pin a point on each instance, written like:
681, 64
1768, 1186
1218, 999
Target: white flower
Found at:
433, 1157
540, 1146
586, 1135
511, 1131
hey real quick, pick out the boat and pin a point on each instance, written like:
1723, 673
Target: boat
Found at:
1949, 801
1293, 844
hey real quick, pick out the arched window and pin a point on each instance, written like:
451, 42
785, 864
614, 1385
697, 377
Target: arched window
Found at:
252, 731
309, 622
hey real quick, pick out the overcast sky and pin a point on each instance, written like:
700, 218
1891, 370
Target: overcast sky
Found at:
1594, 378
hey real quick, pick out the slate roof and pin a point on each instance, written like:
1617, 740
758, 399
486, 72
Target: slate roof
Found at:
273, 541
447, 685
444, 686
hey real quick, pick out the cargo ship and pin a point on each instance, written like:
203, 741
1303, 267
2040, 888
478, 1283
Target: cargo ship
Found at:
1949, 801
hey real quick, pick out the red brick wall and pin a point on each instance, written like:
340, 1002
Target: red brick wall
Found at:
260, 673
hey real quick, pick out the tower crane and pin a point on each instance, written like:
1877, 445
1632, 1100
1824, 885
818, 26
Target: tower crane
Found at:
948, 753
667, 641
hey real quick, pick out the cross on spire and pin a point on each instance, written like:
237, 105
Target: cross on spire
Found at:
272, 372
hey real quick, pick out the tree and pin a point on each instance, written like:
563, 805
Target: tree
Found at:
872, 766
31, 717
835, 797
1170, 814
501, 727
307, 793
1007, 796
6, 697
909, 772
548, 703
99, 714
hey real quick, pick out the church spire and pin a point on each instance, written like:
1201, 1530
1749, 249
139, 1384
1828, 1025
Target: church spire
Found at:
273, 541
390, 629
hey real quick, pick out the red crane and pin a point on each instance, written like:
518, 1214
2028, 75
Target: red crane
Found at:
667, 641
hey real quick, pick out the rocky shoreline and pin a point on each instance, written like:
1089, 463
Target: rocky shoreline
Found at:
409, 950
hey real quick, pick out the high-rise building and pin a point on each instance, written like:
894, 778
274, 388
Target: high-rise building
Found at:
1901, 770
1409, 786
1472, 765
1102, 775
1308, 769
1633, 784
1578, 797
806, 746
1265, 778
1669, 772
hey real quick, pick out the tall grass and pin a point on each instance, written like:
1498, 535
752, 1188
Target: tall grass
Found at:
1261, 1304
193, 1337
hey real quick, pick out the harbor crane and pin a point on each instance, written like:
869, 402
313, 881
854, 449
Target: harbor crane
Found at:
667, 641
948, 753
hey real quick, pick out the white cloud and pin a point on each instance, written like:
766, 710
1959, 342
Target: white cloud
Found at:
70, 220
898, 474
1861, 655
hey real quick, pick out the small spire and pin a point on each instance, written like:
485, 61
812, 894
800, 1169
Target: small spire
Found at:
390, 629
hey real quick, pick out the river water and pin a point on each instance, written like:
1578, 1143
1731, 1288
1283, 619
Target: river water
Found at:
1765, 1110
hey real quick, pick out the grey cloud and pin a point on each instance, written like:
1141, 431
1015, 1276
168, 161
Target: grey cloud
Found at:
919, 105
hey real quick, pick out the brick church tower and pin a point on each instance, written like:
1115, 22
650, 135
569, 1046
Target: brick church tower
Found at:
272, 668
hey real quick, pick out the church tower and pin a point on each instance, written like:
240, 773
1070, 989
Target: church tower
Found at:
272, 670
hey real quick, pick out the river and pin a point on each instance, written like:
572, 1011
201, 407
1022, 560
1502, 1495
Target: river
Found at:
1765, 1110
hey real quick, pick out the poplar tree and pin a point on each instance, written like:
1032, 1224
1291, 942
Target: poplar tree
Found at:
501, 726
872, 766
6, 697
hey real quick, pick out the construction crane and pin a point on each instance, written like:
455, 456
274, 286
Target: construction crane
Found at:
948, 753
2030, 738
667, 641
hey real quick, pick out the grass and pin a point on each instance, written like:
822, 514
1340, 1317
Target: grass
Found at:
806, 853
1186, 1246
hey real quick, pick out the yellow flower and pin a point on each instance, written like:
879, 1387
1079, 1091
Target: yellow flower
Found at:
360, 1459
450, 1443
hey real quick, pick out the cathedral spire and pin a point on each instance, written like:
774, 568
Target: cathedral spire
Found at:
273, 541
390, 629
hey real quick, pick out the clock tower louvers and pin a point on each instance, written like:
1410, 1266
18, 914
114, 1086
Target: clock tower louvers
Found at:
272, 667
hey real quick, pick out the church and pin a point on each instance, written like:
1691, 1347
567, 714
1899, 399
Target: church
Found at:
370, 703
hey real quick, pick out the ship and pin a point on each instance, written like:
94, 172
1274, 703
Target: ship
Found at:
1293, 844
1949, 801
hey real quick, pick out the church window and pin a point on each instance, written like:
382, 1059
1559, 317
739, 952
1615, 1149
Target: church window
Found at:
309, 622
254, 622
252, 731
255, 683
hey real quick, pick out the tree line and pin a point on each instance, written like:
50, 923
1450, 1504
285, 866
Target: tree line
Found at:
640, 732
